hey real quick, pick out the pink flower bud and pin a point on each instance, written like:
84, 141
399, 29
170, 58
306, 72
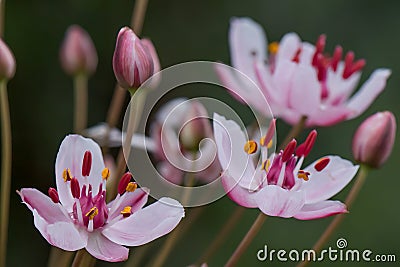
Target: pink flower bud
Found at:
132, 61
374, 139
78, 53
196, 126
7, 62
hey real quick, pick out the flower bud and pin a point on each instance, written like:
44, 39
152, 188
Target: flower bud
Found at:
78, 53
374, 139
7, 62
132, 61
196, 126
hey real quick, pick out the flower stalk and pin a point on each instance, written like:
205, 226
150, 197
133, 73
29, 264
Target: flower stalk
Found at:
81, 102
83, 259
6, 157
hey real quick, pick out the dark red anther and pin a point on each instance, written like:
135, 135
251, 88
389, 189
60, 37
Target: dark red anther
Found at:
348, 63
321, 164
123, 183
86, 163
319, 48
288, 152
296, 57
53, 194
305, 148
75, 188
322, 67
337, 56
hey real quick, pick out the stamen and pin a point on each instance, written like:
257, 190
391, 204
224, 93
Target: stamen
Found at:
53, 194
127, 211
131, 187
319, 48
250, 147
337, 56
296, 57
86, 163
123, 183
265, 165
273, 48
92, 213
67, 175
75, 189
288, 152
305, 148
321, 164
105, 174
267, 140
303, 175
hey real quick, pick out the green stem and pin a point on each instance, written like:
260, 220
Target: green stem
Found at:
294, 132
2, 17
326, 235
244, 244
59, 257
139, 12
83, 259
81, 102
6, 161
222, 235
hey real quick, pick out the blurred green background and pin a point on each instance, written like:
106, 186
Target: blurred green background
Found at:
41, 108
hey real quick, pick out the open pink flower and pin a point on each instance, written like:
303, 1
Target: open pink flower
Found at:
278, 186
298, 78
76, 215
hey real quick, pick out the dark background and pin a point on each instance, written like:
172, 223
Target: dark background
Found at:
41, 102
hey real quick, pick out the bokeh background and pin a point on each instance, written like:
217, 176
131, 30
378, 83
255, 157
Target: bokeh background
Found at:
41, 105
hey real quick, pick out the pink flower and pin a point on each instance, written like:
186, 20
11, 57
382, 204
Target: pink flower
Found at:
298, 78
7, 62
134, 60
78, 53
278, 186
374, 139
76, 215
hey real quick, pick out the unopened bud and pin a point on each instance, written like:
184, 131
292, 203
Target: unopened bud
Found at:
132, 61
78, 53
7, 62
374, 139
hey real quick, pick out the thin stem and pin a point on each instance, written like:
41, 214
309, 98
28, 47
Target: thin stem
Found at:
294, 132
6, 162
81, 102
360, 179
83, 259
226, 229
244, 244
59, 257
139, 12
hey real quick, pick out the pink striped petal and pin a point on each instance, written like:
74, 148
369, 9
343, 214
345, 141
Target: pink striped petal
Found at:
136, 200
273, 200
102, 248
288, 47
240, 195
146, 224
321, 210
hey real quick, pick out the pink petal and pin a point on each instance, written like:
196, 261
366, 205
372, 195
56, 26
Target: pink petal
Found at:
170, 173
331, 180
230, 140
45, 207
305, 94
328, 115
283, 80
146, 224
247, 43
320, 210
240, 195
102, 248
288, 47
60, 234
70, 156
307, 53
368, 92
136, 200
273, 200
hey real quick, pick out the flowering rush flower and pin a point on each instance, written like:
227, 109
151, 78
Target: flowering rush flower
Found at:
298, 78
279, 186
76, 215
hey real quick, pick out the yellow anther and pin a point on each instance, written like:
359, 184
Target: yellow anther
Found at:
127, 211
67, 175
131, 187
269, 144
273, 48
105, 173
265, 165
92, 213
303, 175
250, 147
